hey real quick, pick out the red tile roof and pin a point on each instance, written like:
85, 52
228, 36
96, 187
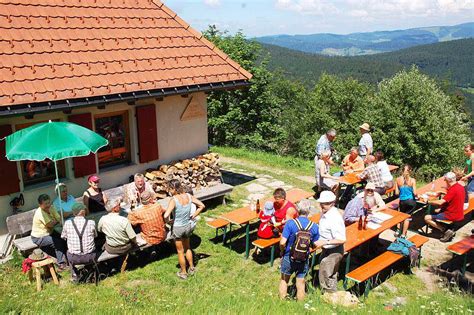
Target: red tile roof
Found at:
54, 50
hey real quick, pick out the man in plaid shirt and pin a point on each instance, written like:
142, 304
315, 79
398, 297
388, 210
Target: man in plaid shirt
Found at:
150, 219
372, 174
79, 234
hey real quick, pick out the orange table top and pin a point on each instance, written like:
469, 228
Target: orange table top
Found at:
439, 185
352, 179
245, 215
463, 246
356, 237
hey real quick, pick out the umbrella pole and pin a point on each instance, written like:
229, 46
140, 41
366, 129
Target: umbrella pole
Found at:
59, 192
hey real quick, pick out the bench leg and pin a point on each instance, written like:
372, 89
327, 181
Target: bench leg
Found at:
230, 236
464, 265
224, 231
38, 279
348, 263
367, 288
124, 264
272, 255
419, 258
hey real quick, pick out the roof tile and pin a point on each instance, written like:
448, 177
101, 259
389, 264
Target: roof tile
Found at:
58, 49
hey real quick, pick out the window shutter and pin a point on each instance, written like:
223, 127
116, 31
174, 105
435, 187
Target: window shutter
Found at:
147, 133
8, 170
84, 165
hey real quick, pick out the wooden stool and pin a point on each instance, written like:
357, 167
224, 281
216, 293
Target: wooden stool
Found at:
48, 266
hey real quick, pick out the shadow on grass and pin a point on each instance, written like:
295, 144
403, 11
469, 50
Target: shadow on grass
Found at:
235, 179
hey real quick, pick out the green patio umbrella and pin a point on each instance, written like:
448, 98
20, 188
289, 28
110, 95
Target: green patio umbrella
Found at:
55, 141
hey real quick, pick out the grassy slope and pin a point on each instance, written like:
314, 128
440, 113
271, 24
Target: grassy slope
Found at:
225, 283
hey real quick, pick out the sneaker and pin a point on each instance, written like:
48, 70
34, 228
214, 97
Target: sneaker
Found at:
62, 267
191, 271
448, 235
182, 276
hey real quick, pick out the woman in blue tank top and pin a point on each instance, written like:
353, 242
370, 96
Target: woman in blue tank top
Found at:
181, 204
406, 190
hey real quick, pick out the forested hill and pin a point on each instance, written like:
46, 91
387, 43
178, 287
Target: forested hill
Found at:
371, 42
453, 60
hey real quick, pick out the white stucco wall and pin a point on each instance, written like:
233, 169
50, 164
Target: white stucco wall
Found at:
176, 140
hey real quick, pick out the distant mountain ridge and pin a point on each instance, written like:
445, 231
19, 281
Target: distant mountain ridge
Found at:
371, 42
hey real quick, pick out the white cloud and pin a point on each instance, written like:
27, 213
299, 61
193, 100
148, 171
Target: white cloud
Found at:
307, 7
212, 3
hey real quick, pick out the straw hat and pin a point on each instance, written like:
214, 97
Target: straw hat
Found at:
365, 126
37, 255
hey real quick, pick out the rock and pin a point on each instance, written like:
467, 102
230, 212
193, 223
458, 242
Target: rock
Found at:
256, 188
342, 298
276, 184
254, 197
262, 180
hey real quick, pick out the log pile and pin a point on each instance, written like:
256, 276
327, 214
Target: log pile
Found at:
195, 173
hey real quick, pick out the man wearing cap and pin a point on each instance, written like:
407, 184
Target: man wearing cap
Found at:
79, 234
332, 236
288, 237
133, 190
324, 144
450, 207
369, 201
366, 145
150, 219
373, 174
120, 237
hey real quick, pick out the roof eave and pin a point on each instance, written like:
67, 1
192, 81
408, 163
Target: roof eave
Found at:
69, 104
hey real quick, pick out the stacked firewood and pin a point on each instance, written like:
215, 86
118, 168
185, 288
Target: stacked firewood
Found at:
195, 173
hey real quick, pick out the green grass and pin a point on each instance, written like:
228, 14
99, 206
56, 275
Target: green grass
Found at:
225, 283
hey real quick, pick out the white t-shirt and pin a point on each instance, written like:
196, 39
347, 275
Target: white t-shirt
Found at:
365, 143
385, 171
331, 227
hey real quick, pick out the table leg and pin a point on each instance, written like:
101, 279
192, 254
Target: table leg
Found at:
348, 263
38, 279
224, 235
428, 211
272, 255
247, 240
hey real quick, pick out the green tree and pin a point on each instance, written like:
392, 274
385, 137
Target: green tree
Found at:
415, 122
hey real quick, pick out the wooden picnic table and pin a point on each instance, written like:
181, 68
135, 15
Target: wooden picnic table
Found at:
462, 248
243, 216
356, 237
352, 178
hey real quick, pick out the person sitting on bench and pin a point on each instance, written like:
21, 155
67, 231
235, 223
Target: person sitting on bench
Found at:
150, 219
79, 234
66, 201
285, 210
120, 237
134, 190
372, 174
367, 201
451, 207
42, 233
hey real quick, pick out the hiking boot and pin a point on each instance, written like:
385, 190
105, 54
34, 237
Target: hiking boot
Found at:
447, 236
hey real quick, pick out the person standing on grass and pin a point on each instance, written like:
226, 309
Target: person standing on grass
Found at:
332, 236
450, 207
405, 188
324, 179
182, 226
324, 144
289, 265
366, 145
468, 170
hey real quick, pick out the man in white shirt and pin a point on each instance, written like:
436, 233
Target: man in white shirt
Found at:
366, 145
332, 236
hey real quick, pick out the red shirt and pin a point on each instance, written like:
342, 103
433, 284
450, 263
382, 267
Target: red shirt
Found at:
453, 207
280, 213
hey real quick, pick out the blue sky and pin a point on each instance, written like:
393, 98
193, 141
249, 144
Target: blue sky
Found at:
270, 17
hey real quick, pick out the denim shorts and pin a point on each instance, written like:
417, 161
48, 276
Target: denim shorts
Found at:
438, 216
288, 267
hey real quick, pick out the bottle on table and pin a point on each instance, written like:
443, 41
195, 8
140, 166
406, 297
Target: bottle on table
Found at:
359, 226
257, 206
366, 220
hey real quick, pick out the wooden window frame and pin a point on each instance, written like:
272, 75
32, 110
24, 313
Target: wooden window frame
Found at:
126, 149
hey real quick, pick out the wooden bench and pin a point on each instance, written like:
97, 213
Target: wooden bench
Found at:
18, 226
265, 243
219, 190
462, 248
466, 212
365, 272
219, 224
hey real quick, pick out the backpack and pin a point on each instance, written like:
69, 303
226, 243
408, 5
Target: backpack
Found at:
299, 251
